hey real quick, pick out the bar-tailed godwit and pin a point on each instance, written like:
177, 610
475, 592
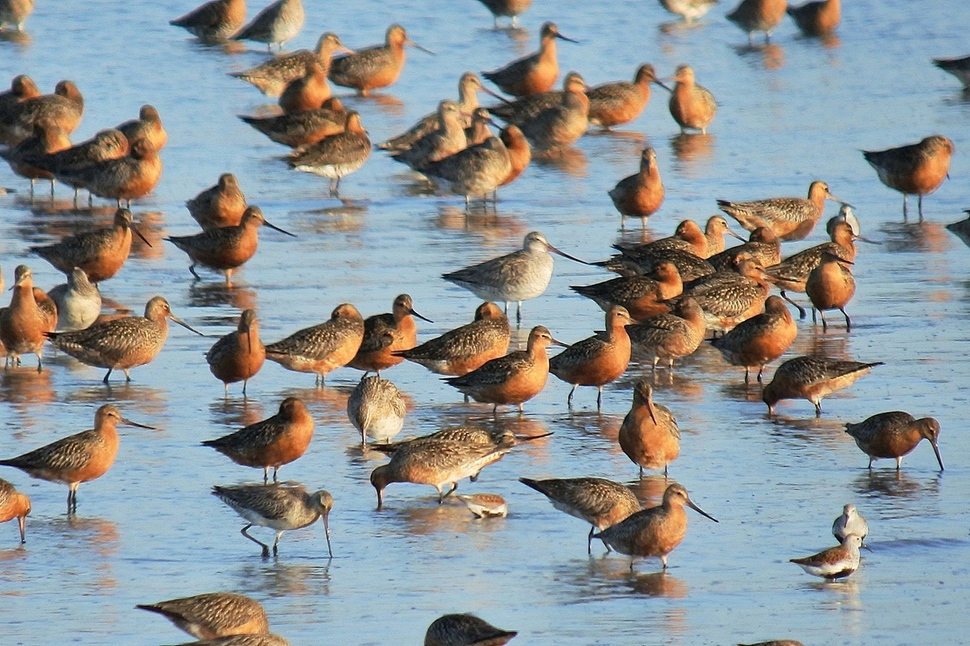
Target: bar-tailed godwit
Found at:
531, 74
817, 18
337, 155
791, 218
691, 105
510, 8
276, 23
322, 348
272, 77
895, 434
218, 206
812, 378
376, 408
239, 355
449, 630
830, 286
374, 67
649, 434
386, 334
24, 323
213, 614
213, 22
758, 15
642, 194
759, 340
917, 169
670, 336
14, 504
613, 104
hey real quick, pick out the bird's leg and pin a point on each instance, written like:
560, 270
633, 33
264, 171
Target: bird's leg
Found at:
746, 379
127, 375
899, 462
761, 373
905, 213
848, 323
276, 471
105, 380
870, 463
589, 541
518, 313
821, 315
276, 543
818, 408
258, 542
192, 270
599, 398
801, 310
265, 475
569, 399
919, 203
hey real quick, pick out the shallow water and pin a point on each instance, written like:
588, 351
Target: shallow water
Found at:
790, 113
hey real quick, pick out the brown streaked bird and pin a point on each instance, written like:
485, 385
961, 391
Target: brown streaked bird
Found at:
834, 563
689, 10
121, 344
613, 104
812, 378
645, 259
687, 237
830, 286
105, 145
601, 503
272, 77
531, 74
729, 297
387, 334
24, 323
893, 435
77, 458
447, 139
790, 218
376, 408
670, 336
763, 246
276, 23
335, 156
759, 340
22, 87
561, 125
126, 178
213, 22
239, 355
527, 107
475, 171
100, 253
78, 302
817, 18
958, 67
597, 360
322, 348
655, 531
302, 128
457, 352
649, 434
16, 12
485, 505
46, 139
469, 85
513, 379
64, 107
450, 630
228, 248
512, 9
213, 614
282, 507
307, 92
438, 460
714, 231
639, 195
917, 169
478, 131
272, 442
758, 15
691, 105
266, 639
148, 126
218, 206
466, 435
14, 504
374, 67
642, 296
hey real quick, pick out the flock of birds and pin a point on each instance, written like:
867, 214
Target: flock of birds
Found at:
670, 295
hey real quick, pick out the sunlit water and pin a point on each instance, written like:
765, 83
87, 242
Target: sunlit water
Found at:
790, 113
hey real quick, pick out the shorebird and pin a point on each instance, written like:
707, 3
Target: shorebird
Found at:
272, 442
335, 156
243, 640
475, 171
687, 237
812, 378
374, 67
126, 178
77, 458
525, 108
376, 409
834, 563
563, 124
64, 107
689, 10
597, 360
649, 434
14, 504
213, 22
78, 302
218, 206
850, 522
25, 323
958, 67
16, 12
272, 76
817, 18
322, 348
123, 343
601, 503
534, 73
282, 507
961, 229
447, 139
148, 126
485, 505
457, 352
691, 105
276, 23
228, 248
239, 355
763, 246
104, 146
302, 129
213, 615
100, 253
830, 286
729, 297
642, 296
513, 379
893, 435
670, 336
438, 460
307, 92
639, 195
758, 15
386, 334
46, 139
759, 340
613, 104
790, 218
516, 277
512, 9
449, 630
917, 169
655, 531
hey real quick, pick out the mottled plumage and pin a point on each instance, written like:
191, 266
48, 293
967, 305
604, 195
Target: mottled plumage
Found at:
895, 434
101, 253
213, 615
790, 218
272, 77
322, 348
812, 378
467, 629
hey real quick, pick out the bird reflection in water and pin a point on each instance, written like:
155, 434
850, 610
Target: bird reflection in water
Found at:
924, 237
284, 579
603, 575
819, 433
236, 412
25, 387
692, 149
571, 161
151, 224
217, 294
346, 218
387, 104
327, 405
771, 56
151, 402
499, 230
879, 483
444, 520
649, 490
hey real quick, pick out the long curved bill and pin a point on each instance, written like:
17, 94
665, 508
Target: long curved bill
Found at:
276, 228
566, 255
413, 313
496, 95
326, 530
144, 239
131, 423
700, 511
184, 324
936, 450
417, 46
